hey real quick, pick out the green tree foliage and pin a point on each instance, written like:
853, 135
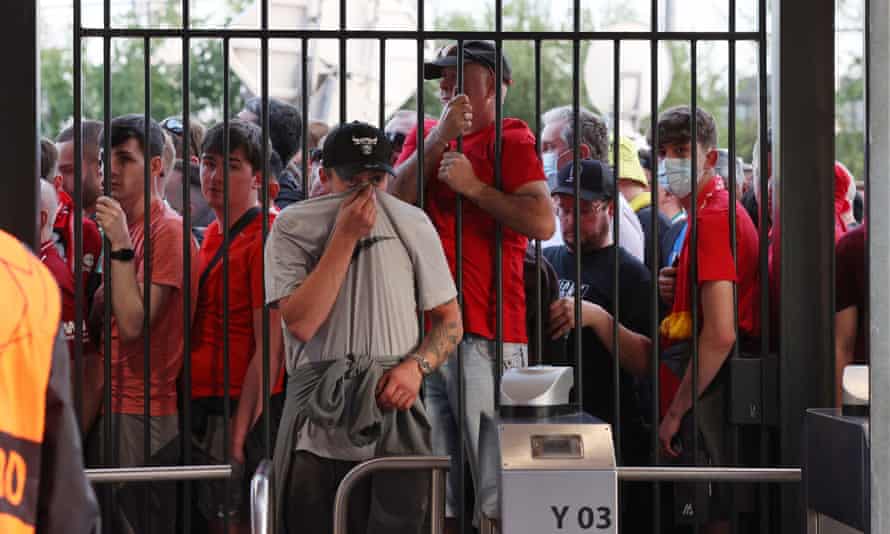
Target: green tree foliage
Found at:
713, 97
849, 139
128, 82
56, 106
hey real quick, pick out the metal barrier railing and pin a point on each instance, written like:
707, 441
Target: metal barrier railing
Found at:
261, 499
158, 474
709, 474
437, 464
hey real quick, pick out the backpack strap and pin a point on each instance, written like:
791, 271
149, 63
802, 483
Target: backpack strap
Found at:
237, 228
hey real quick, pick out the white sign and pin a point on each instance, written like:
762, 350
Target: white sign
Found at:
559, 502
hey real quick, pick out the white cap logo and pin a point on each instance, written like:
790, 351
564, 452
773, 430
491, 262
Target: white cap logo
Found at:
365, 144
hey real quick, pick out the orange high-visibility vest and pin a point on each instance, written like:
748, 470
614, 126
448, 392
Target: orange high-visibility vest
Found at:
29, 321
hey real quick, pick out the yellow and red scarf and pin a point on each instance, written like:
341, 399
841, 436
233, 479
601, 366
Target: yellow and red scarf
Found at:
678, 325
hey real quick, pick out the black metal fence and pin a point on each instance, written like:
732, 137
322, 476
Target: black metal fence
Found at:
654, 36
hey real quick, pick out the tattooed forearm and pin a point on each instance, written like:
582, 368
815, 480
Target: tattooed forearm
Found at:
446, 332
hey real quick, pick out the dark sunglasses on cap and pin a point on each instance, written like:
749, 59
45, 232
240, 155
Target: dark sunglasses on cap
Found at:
173, 124
396, 139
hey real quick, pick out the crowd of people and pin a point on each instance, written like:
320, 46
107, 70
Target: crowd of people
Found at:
348, 265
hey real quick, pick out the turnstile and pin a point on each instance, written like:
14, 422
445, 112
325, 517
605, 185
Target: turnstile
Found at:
556, 465
557, 475
836, 472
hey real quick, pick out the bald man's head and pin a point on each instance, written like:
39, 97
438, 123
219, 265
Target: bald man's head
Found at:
49, 207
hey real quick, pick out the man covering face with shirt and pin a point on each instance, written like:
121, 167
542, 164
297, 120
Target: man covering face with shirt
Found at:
349, 272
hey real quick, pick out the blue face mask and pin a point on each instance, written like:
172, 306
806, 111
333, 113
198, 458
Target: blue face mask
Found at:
550, 160
675, 175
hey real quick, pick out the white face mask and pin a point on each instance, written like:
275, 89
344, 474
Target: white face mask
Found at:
675, 174
550, 161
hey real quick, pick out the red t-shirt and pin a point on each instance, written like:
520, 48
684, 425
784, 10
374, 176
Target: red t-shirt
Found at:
520, 165
850, 285
51, 259
92, 239
127, 359
245, 296
715, 263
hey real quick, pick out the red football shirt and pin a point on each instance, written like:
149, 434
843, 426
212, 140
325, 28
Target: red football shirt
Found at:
715, 263
519, 166
92, 239
51, 259
245, 296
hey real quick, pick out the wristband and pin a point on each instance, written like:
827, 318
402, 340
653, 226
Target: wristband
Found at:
124, 254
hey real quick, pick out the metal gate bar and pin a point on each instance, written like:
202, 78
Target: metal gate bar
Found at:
655, 334
459, 352
437, 464
616, 229
148, 250
766, 524
226, 221
158, 474
246, 33
110, 456
692, 226
186, 389
498, 185
576, 204
266, 205
79, 289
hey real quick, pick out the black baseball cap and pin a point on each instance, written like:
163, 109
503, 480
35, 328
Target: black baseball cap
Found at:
597, 182
482, 52
354, 147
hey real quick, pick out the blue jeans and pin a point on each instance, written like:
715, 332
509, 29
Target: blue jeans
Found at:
441, 395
